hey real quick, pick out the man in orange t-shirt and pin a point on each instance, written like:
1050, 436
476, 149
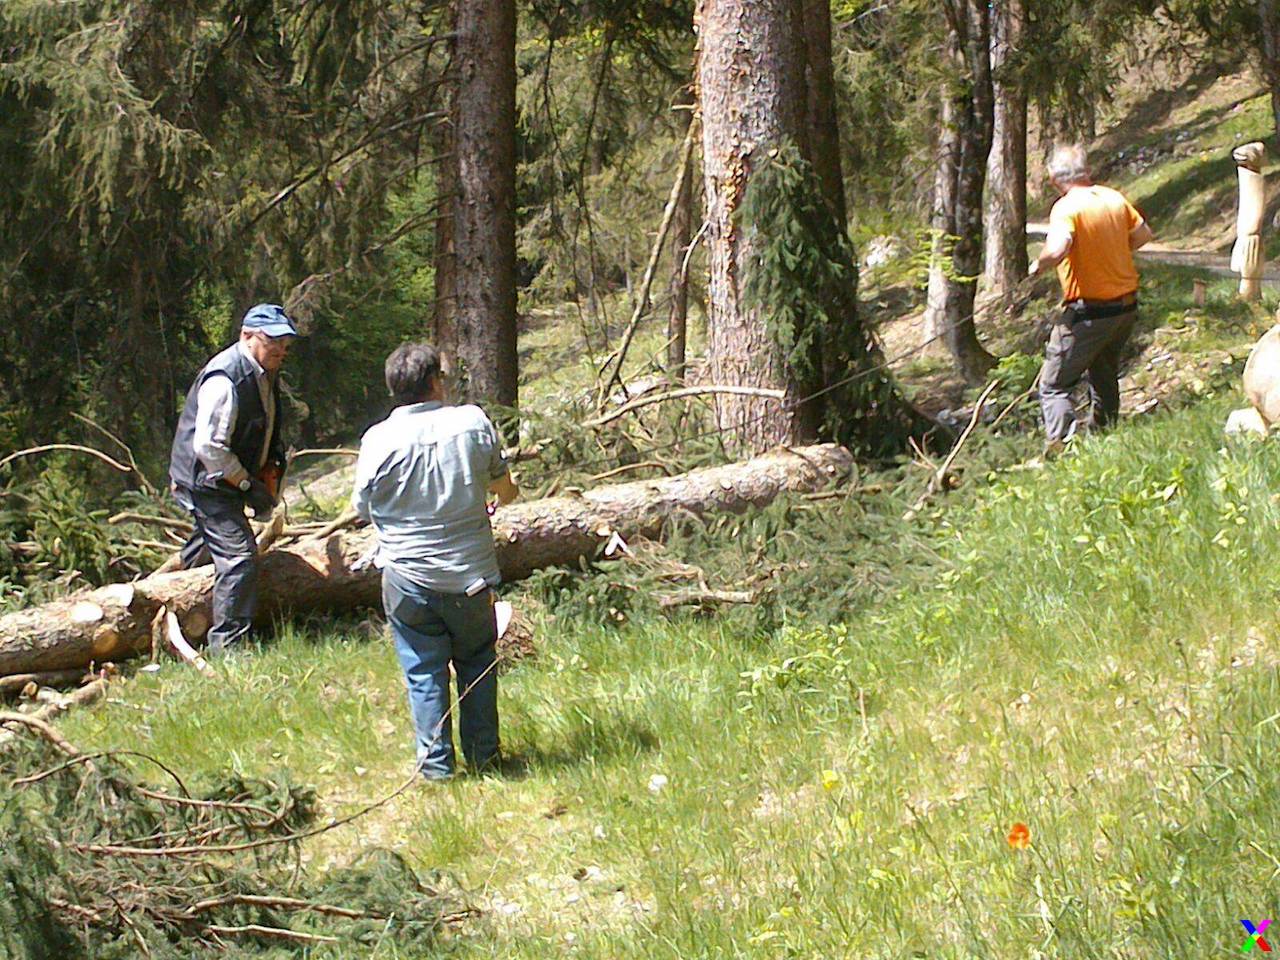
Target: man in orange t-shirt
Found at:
1093, 231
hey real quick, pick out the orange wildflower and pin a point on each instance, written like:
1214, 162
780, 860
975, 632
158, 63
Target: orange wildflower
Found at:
1019, 836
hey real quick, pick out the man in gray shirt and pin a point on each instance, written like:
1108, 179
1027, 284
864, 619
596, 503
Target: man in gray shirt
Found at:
225, 451
422, 480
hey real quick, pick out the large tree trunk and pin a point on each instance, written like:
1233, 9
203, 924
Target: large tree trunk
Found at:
751, 91
963, 145
946, 155
114, 622
1269, 14
1006, 215
821, 121
484, 238
681, 237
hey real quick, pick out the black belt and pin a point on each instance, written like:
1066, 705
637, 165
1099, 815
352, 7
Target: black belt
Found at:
1101, 309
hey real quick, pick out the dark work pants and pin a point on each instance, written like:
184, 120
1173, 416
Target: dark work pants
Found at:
431, 631
1079, 347
222, 528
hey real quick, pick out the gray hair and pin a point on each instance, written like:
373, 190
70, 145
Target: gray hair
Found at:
1069, 164
410, 370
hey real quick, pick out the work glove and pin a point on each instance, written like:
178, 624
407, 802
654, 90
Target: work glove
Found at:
259, 499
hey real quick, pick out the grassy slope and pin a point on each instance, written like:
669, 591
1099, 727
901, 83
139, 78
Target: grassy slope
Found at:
1093, 657
1170, 147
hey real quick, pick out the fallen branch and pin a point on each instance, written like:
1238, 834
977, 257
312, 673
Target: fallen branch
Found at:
272, 529
524, 454
348, 518
169, 523
323, 452
152, 544
1024, 395
128, 452
281, 903
767, 392
32, 722
270, 933
73, 447
174, 563
848, 491
628, 468
619, 356
939, 480
705, 598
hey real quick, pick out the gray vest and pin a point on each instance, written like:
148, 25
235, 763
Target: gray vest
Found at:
185, 468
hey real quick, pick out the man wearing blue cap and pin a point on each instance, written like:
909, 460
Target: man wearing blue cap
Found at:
227, 454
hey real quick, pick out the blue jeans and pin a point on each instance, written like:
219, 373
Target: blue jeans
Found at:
432, 630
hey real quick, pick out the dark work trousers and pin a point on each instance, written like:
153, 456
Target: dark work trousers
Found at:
222, 529
1083, 346
431, 631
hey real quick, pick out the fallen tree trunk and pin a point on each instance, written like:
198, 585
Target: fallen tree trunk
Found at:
115, 622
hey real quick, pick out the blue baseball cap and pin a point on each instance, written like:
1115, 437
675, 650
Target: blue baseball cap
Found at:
269, 318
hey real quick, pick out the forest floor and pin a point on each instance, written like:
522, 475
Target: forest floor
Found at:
1088, 649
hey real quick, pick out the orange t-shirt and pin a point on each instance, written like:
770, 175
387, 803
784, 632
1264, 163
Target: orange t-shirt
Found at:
1099, 265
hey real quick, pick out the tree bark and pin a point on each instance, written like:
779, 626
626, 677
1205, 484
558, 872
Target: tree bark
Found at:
484, 233
444, 316
681, 237
1269, 15
1005, 228
821, 120
115, 622
964, 142
942, 223
751, 92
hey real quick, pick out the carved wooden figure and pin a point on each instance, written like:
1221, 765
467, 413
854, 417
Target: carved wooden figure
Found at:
1246, 256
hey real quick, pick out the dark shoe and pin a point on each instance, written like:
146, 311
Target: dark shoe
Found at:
491, 766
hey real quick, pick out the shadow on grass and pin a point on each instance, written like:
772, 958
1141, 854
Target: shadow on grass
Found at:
1210, 183
1141, 127
590, 740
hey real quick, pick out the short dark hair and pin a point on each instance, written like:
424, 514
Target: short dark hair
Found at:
410, 370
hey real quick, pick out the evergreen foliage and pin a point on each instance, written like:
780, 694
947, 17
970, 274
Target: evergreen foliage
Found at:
161, 159
805, 283
65, 896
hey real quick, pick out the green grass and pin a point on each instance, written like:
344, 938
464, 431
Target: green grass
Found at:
555, 361
1088, 649
1196, 186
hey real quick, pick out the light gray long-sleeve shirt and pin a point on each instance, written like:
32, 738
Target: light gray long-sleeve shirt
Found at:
216, 422
421, 479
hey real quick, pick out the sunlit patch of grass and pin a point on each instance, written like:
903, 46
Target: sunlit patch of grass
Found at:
1196, 185
563, 348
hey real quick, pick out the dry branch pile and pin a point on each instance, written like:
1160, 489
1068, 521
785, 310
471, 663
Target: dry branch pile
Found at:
97, 864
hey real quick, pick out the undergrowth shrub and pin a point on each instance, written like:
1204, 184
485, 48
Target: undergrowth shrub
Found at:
55, 536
